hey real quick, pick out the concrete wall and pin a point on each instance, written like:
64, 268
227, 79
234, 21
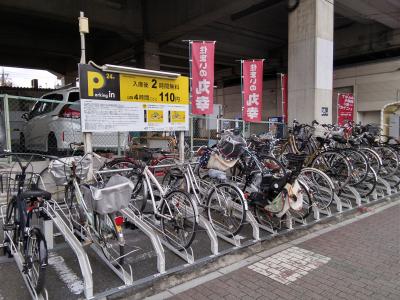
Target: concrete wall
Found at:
231, 100
373, 84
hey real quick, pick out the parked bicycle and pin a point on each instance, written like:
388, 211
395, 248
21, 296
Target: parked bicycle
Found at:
22, 235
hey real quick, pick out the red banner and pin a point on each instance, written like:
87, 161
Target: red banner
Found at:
284, 87
252, 89
202, 77
345, 108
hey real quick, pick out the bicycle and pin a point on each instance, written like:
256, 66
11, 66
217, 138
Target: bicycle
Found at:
224, 202
174, 208
93, 210
24, 202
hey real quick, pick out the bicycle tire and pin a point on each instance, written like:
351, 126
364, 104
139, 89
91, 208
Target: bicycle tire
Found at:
305, 211
335, 165
106, 228
390, 161
228, 212
171, 204
360, 165
320, 187
36, 253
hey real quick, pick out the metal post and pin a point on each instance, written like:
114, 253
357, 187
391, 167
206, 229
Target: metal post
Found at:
119, 143
191, 132
7, 123
182, 146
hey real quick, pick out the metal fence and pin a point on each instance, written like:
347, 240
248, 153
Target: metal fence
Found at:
48, 126
51, 125
204, 129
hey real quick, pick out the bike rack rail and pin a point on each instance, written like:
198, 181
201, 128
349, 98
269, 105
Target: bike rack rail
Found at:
19, 261
383, 186
149, 232
75, 245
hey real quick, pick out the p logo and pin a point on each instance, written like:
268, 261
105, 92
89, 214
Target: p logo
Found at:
95, 81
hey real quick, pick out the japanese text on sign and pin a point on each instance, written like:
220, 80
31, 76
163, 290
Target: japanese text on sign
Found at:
252, 90
345, 108
202, 77
132, 102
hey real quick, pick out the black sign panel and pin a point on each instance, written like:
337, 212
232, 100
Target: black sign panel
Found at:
96, 84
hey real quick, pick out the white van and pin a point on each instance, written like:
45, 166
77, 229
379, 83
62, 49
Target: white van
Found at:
52, 126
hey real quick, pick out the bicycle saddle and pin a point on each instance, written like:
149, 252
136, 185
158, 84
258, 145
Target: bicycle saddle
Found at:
36, 193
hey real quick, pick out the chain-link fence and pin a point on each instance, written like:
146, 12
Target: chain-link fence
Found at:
204, 129
49, 125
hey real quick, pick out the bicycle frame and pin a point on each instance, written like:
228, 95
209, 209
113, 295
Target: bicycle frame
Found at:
150, 178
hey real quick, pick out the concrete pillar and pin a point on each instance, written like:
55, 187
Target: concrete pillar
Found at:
69, 77
148, 57
311, 61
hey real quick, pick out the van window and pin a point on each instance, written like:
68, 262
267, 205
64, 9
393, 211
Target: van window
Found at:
58, 97
73, 96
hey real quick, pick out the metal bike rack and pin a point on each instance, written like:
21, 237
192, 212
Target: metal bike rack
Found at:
149, 232
204, 223
254, 225
126, 277
348, 193
383, 186
75, 245
19, 261
317, 212
180, 252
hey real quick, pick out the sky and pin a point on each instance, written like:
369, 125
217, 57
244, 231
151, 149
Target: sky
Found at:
21, 77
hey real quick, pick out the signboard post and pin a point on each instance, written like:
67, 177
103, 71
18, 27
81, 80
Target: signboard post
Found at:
345, 108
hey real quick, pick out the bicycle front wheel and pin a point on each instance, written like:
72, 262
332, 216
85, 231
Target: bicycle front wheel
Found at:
36, 259
226, 209
178, 220
305, 210
335, 165
319, 186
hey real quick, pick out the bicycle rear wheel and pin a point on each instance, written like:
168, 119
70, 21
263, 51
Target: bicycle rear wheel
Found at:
178, 220
226, 209
36, 259
110, 243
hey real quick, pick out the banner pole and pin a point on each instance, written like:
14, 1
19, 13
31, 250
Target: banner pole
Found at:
241, 90
182, 133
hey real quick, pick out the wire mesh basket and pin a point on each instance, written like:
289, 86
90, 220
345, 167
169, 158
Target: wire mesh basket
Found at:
61, 169
295, 162
12, 182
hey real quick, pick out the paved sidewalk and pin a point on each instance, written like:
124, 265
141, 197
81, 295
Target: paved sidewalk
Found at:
360, 260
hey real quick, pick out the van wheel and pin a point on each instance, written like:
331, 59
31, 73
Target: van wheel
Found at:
52, 144
22, 147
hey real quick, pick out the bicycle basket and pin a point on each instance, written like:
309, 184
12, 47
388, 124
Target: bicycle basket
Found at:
61, 169
295, 162
10, 182
231, 146
115, 196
